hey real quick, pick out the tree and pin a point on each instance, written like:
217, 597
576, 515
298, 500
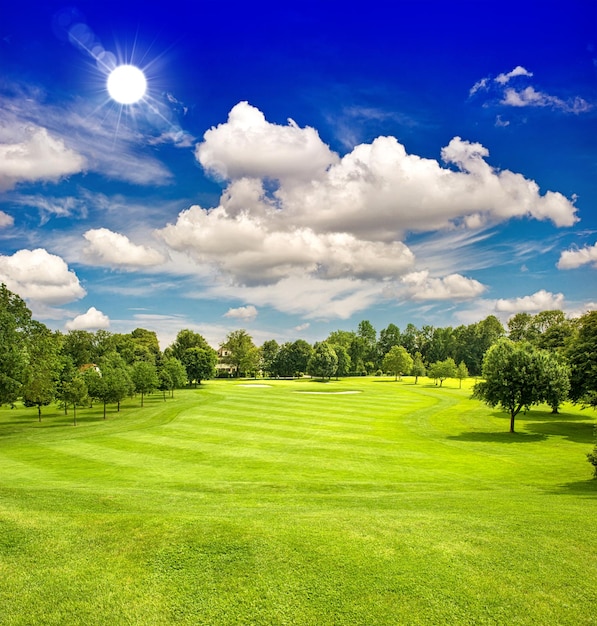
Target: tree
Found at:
199, 363
516, 377
592, 459
461, 372
440, 370
292, 359
186, 339
418, 368
556, 376
343, 367
269, 350
388, 338
323, 362
583, 364
176, 374
79, 345
15, 318
145, 378
367, 332
75, 393
241, 351
397, 361
43, 360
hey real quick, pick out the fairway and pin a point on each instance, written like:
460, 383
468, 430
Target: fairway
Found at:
362, 501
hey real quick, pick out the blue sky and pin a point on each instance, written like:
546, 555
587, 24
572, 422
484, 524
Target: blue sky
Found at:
295, 169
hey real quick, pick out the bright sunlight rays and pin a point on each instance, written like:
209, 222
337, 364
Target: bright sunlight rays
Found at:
126, 84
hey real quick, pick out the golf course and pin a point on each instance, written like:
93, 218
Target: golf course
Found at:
361, 501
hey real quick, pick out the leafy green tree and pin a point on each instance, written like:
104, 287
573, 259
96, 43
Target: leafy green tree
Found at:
323, 361
15, 318
516, 377
43, 357
344, 365
388, 338
418, 368
592, 459
292, 359
583, 363
79, 345
186, 339
368, 334
269, 350
440, 370
522, 328
75, 392
176, 374
200, 364
461, 372
397, 361
242, 354
145, 378
341, 338
357, 351
442, 344
556, 375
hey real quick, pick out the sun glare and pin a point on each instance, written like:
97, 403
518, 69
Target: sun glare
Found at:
127, 84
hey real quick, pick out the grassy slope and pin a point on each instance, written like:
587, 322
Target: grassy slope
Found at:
230, 504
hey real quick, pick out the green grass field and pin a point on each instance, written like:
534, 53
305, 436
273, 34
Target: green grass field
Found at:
243, 504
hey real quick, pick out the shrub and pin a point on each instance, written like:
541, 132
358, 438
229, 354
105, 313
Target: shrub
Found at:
592, 458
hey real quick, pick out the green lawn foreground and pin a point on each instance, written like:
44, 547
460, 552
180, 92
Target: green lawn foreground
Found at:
244, 504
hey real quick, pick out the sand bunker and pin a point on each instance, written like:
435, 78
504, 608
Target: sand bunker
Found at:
256, 385
326, 393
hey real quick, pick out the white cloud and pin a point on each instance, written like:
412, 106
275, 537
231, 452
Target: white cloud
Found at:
247, 313
502, 79
540, 301
40, 276
530, 97
116, 250
6, 220
30, 153
301, 327
571, 259
54, 141
421, 286
253, 251
248, 145
92, 320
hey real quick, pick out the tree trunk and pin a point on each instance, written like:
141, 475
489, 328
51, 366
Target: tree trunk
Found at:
74, 413
104, 409
39, 412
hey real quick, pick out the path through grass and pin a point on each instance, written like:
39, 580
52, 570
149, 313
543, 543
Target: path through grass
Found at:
244, 504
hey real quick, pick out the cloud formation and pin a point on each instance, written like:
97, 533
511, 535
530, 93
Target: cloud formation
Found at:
571, 259
521, 96
6, 220
421, 286
30, 153
116, 250
92, 320
540, 301
246, 313
40, 276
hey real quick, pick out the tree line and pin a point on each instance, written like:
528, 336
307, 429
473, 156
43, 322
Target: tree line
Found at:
547, 357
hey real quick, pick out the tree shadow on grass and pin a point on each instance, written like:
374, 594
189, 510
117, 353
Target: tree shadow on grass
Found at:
579, 432
583, 488
501, 437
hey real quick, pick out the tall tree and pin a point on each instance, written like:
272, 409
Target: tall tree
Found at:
200, 364
344, 364
461, 373
583, 362
75, 393
145, 378
269, 350
43, 366
418, 368
515, 377
388, 338
397, 361
177, 374
241, 350
15, 318
440, 370
323, 361
186, 339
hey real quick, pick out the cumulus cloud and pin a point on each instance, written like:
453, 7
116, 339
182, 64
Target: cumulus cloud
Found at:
254, 251
40, 276
248, 145
92, 320
502, 79
247, 313
421, 286
116, 250
540, 301
30, 153
499, 89
6, 220
571, 259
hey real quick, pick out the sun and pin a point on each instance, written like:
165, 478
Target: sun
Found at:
127, 84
